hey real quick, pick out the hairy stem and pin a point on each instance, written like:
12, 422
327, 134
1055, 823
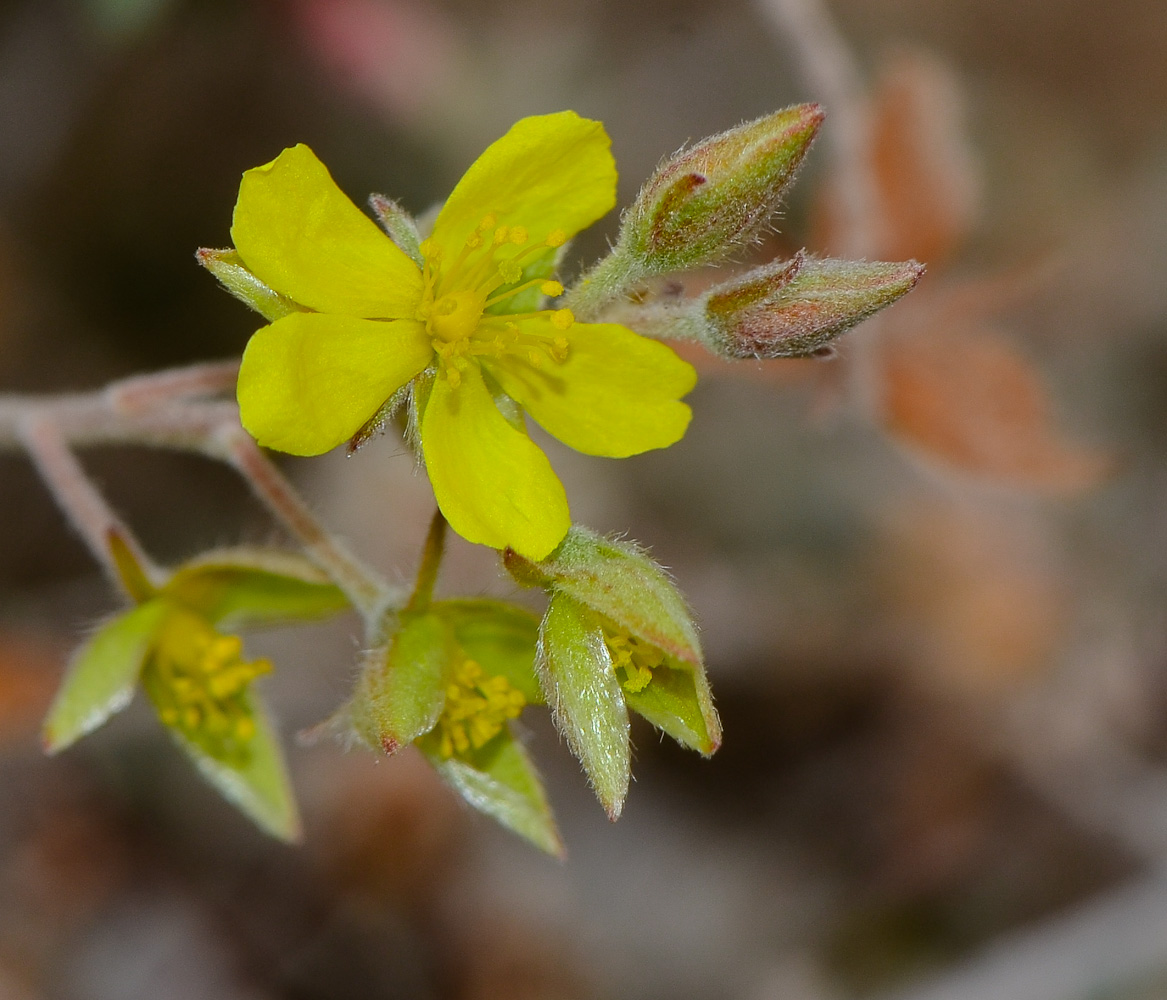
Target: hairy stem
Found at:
79, 499
144, 392
363, 587
431, 562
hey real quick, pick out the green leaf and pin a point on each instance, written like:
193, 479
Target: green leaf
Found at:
678, 701
575, 669
622, 584
499, 636
402, 688
501, 781
255, 781
238, 588
102, 675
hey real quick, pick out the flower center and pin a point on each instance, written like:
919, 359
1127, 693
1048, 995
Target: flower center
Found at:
477, 708
488, 271
198, 682
455, 316
633, 659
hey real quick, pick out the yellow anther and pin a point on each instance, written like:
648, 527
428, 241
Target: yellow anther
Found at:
562, 319
511, 270
473, 241
518, 235
551, 288
431, 251
477, 709
535, 358
637, 678
633, 659
489, 221
198, 682
556, 238
501, 235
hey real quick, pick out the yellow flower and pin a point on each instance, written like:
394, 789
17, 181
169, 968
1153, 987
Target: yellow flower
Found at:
371, 320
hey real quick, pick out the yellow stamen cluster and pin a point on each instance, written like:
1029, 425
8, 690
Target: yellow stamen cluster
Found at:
198, 680
633, 659
457, 293
477, 708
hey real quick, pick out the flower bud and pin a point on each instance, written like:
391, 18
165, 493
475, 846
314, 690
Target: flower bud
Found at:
706, 201
793, 309
233, 275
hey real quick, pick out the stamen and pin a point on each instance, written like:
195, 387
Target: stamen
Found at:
547, 287
635, 659
519, 235
477, 709
562, 319
556, 238
510, 269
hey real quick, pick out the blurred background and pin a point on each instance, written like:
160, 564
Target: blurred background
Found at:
931, 574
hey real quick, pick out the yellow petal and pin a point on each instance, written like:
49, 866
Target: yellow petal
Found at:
299, 233
615, 395
492, 482
548, 173
309, 381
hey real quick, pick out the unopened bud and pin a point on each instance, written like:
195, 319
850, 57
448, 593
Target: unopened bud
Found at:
233, 275
706, 201
795, 308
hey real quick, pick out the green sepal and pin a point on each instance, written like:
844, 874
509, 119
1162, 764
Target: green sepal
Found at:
678, 701
399, 225
134, 576
794, 308
402, 688
233, 275
587, 702
102, 675
240, 588
501, 637
703, 203
500, 781
619, 582
254, 781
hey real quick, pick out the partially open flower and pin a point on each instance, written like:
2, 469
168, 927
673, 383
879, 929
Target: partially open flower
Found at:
617, 637
451, 679
194, 674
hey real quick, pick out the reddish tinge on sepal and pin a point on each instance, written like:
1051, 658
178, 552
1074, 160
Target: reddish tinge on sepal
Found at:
795, 308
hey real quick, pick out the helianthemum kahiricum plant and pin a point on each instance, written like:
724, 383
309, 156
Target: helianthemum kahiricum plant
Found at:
460, 317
